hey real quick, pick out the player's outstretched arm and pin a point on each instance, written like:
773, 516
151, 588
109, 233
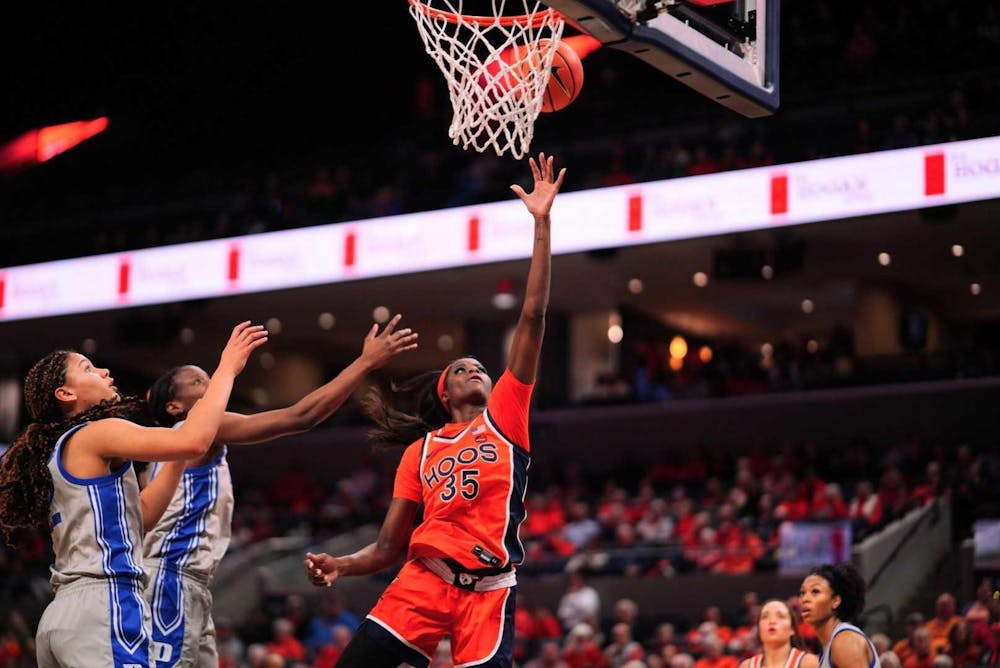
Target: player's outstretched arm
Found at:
377, 350
387, 550
527, 342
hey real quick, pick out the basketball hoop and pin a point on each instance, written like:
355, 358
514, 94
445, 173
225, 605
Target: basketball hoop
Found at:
496, 67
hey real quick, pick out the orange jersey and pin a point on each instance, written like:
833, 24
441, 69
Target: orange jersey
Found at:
471, 478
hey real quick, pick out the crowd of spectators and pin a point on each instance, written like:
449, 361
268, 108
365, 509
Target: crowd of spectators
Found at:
723, 514
582, 631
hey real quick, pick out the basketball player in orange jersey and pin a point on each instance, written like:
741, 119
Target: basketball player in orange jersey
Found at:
465, 467
779, 639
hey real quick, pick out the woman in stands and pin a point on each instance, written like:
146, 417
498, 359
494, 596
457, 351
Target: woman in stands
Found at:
185, 547
831, 598
465, 470
71, 470
779, 639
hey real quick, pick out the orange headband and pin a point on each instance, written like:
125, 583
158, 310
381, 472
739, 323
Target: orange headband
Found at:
440, 388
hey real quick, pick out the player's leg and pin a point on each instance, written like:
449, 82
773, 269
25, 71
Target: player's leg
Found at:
406, 624
483, 633
371, 648
167, 602
205, 647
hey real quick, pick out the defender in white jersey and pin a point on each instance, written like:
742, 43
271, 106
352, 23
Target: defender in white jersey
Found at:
185, 547
778, 636
182, 553
831, 598
71, 469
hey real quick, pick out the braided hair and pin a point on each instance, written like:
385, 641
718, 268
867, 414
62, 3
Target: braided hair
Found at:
162, 392
25, 483
412, 412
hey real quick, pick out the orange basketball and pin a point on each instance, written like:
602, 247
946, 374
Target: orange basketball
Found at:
565, 74
565, 78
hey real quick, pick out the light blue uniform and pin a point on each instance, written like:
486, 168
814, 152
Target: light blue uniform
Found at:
824, 660
182, 553
98, 616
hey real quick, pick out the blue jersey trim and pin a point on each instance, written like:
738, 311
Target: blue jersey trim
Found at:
57, 453
206, 468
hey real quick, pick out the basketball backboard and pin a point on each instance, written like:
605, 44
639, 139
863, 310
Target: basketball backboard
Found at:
727, 50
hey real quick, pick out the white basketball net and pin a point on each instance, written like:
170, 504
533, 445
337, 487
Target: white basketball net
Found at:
495, 99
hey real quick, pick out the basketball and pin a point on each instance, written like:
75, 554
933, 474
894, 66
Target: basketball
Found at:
565, 74
565, 78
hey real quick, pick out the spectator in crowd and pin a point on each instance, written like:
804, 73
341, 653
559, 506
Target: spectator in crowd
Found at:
922, 655
714, 655
581, 526
889, 660
983, 597
626, 611
939, 625
706, 553
892, 494
749, 609
284, 643
655, 527
580, 603
865, 509
622, 647
547, 625
525, 631
740, 549
581, 649
549, 656
828, 503
961, 647
327, 655
231, 647
882, 642
713, 623
682, 660
904, 647
319, 630
545, 515
932, 486
665, 635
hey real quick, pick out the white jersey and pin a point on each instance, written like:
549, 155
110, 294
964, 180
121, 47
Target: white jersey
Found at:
824, 659
96, 523
194, 532
182, 553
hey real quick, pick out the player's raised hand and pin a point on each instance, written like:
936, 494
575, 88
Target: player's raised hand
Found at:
539, 200
246, 338
380, 347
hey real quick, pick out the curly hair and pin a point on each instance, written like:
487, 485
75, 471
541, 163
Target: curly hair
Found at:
412, 412
25, 482
846, 582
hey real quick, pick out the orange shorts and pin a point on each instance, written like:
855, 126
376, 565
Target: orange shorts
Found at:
419, 609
